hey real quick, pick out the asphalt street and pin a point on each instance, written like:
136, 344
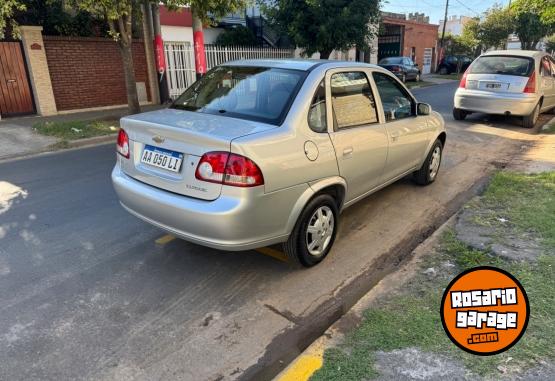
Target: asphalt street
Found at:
88, 291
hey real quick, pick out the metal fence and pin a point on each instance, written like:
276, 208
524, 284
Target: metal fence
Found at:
180, 60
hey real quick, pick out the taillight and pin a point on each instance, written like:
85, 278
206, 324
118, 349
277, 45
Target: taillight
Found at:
531, 84
462, 84
229, 169
123, 144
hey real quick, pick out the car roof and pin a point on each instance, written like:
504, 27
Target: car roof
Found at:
297, 64
519, 53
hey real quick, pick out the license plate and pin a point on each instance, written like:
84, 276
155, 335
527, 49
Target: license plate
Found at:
162, 158
493, 85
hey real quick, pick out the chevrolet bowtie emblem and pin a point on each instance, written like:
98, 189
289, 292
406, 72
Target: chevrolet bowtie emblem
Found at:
158, 139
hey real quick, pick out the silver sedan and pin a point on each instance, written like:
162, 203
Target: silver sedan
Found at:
508, 82
261, 152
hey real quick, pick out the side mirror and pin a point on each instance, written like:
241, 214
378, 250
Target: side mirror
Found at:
424, 109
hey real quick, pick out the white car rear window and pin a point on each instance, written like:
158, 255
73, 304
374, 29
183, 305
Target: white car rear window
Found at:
507, 65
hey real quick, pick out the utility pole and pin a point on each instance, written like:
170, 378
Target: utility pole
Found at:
441, 51
198, 44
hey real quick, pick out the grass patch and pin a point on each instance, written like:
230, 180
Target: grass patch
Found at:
418, 84
78, 129
453, 76
548, 129
411, 318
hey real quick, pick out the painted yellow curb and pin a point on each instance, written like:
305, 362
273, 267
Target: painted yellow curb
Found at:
280, 256
304, 366
164, 239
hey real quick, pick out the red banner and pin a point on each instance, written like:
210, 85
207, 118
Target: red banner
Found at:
159, 53
200, 56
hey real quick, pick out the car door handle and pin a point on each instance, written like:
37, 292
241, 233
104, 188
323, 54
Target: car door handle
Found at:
348, 151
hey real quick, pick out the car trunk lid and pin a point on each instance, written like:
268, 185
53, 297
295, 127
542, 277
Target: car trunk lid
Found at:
496, 83
188, 135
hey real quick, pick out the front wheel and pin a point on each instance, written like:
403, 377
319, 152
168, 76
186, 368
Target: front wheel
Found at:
429, 170
417, 78
314, 233
403, 78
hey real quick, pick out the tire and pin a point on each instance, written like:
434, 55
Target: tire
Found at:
443, 70
529, 121
417, 78
427, 174
404, 78
459, 114
297, 246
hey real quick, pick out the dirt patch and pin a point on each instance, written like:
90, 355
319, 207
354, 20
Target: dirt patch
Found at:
414, 364
475, 228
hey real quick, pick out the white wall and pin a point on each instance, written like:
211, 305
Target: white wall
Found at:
177, 33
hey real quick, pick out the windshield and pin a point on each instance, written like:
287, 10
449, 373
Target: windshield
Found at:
508, 65
254, 93
391, 60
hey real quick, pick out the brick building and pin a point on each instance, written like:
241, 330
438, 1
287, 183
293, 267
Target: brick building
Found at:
416, 39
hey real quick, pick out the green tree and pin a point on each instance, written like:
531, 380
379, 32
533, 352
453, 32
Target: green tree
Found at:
7, 10
496, 27
325, 25
471, 36
240, 35
119, 14
532, 22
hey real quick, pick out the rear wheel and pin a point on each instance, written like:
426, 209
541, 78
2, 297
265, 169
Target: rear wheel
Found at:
429, 170
529, 121
459, 114
314, 233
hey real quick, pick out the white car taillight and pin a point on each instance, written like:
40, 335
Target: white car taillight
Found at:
462, 84
123, 144
531, 84
229, 169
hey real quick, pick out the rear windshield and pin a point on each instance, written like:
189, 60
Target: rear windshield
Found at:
253, 93
508, 65
391, 60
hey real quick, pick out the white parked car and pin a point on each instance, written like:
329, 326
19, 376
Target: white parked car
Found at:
508, 82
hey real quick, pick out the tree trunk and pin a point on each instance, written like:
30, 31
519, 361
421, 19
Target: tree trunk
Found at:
129, 74
325, 54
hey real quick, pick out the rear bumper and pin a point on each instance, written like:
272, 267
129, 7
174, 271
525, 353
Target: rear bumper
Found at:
240, 219
490, 103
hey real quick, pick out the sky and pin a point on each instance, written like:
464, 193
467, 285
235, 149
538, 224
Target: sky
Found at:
436, 8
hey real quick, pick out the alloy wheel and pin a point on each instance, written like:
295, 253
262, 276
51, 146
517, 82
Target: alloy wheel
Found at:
435, 162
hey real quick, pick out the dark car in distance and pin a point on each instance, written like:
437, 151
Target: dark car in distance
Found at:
403, 68
449, 64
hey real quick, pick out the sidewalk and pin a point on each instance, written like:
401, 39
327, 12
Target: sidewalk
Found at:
18, 138
374, 341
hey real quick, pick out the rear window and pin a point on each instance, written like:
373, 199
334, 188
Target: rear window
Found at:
253, 93
391, 60
508, 65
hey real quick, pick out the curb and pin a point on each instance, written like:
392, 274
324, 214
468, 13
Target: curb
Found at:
312, 358
72, 145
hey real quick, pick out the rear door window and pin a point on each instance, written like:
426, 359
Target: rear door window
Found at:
507, 65
352, 100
